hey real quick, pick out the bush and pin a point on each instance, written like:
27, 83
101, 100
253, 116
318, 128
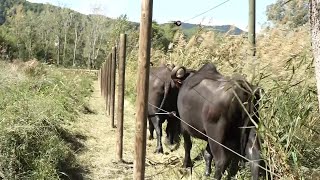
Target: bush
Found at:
34, 111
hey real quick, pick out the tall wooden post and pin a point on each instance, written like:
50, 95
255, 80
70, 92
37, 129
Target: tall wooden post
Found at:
142, 89
314, 10
252, 26
121, 82
101, 78
113, 85
107, 76
109, 83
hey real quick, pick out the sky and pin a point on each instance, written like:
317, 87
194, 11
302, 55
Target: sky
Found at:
233, 12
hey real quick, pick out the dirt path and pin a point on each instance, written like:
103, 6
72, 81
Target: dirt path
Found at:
100, 153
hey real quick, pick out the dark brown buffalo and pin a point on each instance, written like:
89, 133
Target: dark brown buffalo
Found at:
163, 94
207, 102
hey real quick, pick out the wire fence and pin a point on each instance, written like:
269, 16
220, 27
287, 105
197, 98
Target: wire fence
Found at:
214, 7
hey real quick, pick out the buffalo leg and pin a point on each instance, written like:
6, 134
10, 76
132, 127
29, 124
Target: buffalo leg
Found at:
158, 127
216, 132
220, 159
234, 168
172, 131
187, 149
151, 129
208, 158
169, 137
253, 153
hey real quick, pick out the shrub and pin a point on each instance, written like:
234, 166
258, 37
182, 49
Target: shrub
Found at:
34, 112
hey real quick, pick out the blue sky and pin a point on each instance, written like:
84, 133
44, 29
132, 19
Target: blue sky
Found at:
233, 12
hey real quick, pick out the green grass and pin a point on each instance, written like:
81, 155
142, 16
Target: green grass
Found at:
37, 107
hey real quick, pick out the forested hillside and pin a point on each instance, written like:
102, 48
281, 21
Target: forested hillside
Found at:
65, 37
56, 35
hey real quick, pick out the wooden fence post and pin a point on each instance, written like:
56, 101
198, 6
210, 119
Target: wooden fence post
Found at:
113, 84
121, 82
106, 80
100, 79
109, 82
252, 26
105, 65
142, 89
105, 70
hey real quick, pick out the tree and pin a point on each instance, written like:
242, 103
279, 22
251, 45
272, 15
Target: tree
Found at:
159, 38
60, 35
78, 31
315, 35
293, 13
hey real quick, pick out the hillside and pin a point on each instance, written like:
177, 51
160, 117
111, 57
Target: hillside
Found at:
64, 37
7, 9
190, 28
55, 35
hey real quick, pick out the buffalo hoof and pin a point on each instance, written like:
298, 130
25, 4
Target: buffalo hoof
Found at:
187, 165
151, 137
167, 141
159, 150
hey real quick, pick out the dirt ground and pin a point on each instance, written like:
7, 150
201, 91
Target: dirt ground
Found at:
99, 156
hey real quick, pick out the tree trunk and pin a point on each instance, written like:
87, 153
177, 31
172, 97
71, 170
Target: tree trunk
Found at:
315, 35
46, 47
95, 34
98, 49
58, 59
75, 46
64, 46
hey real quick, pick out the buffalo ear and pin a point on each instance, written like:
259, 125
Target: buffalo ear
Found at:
177, 82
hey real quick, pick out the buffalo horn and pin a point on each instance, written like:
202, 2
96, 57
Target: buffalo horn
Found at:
170, 66
178, 69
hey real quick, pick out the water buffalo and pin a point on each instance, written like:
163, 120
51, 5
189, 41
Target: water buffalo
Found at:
209, 102
163, 94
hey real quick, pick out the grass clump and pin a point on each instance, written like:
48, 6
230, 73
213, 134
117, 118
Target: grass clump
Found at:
36, 108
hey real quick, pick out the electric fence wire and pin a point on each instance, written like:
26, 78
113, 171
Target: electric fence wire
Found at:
206, 11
